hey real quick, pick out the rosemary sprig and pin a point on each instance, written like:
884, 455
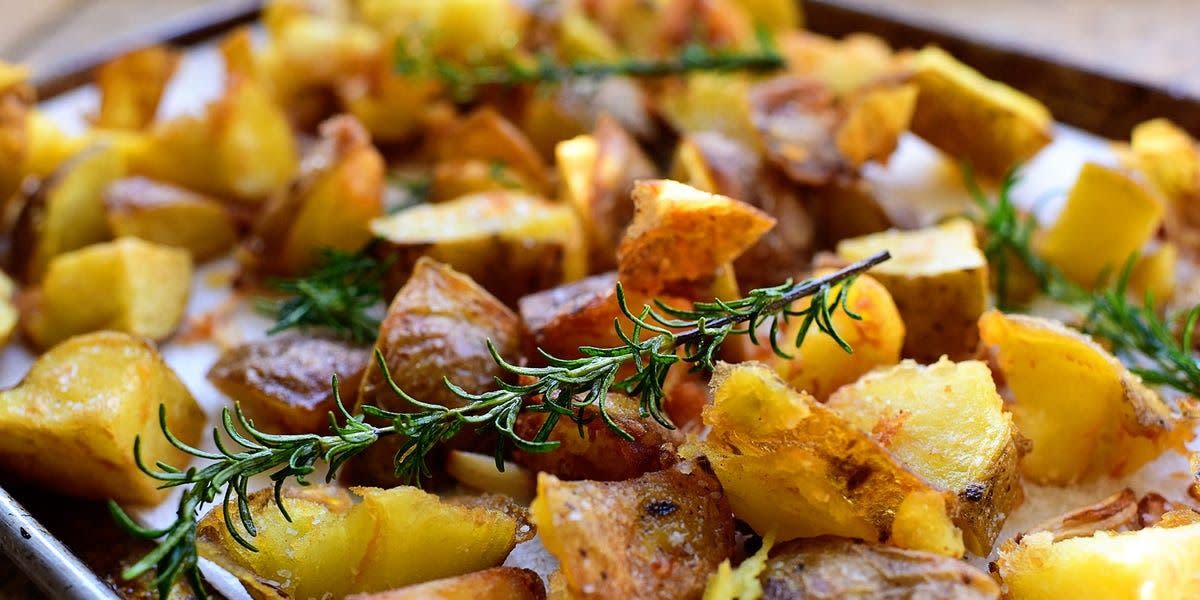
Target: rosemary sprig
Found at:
1138, 335
566, 388
337, 296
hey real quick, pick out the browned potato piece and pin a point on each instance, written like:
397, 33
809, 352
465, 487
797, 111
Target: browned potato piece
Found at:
16, 105
284, 383
598, 172
599, 454
681, 234
846, 208
131, 86
508, 241
657, 536
333, 546
986, 124
710, 102
437, 325
874, 122
796, 120
454, 178
168, 215
8, 308
66, 212
947, 423
829, 568
57, 433
487, 136
497, 583
478, 472
793, 466
938, 278
844, 66
126, 285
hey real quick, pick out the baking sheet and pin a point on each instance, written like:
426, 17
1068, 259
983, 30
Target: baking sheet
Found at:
917, 176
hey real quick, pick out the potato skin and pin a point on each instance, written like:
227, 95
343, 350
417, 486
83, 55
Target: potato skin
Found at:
498, 583
283, 383
657, 537
165, 214
829, 568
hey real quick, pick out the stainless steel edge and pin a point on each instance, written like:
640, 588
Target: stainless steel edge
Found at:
45, 559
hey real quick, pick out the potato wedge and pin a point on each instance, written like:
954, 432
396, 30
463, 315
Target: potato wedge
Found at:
131, 86
681, 234
987, 124
506, 583
820, 366
129, 285
939, 280
284, 383
487, 136
1085, 413
391, 106
598, 172
334, 547
437, 325
946, 423
57, 435
599, 454
511, 243
329, 206
1107, 219
829, 568
169, 215
1155, 562
657, 536
66, 212
793, 466
208, 153
873, 124
1154, 274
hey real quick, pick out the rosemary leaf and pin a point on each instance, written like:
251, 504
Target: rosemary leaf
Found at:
338, 296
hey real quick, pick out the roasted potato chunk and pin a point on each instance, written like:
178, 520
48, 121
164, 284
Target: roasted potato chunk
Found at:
819, 365
657, 536
507, 583
478, 472
793, 466
1107, 219
1085, 413
598, 172
58, 435
210, 153
329, 206
333, 546
126, 285
8, 308
1170, 160
131, 86
169, 215
681, 234
845, 66
66, 212
874, 123
437, 325
599, 454
829, 568
989, 125
16, 106
939, 280
486, 136
797, 122
511, 243
710, 102
946, 423
284, 383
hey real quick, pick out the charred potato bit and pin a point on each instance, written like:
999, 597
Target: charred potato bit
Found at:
169, 215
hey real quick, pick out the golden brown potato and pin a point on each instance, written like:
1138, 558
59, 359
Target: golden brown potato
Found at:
329, 206
210, 153
285, 383
470, 30
454, 178
988, 125
8, 308
829, 568
844, 66
1085, 413
509, 242
66, 212
598, 172
16, 105
681, 234
599, 454
1154, 274
819, 365
1170, 159
498, 583
48, 146
487, 136
437, 325
657, 536
874, 122
797, 122
390, 105
131, 86
939, 280
478, 472
58, 435
126, 285
946, 423
793, 466
333, 546
1107, 219
169, 215
710, 102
